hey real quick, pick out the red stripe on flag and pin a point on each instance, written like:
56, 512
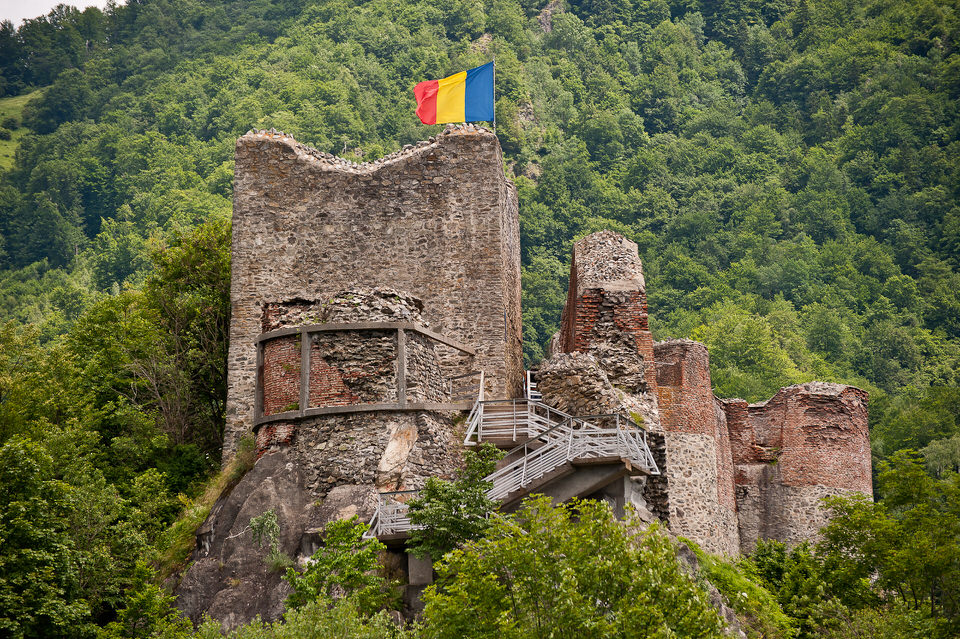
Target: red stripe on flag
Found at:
426, 95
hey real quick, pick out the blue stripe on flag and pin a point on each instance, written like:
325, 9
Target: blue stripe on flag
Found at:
478, 94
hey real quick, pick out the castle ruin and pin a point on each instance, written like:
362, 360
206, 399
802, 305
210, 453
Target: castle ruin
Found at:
376, 306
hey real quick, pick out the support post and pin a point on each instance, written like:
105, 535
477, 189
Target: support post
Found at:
401, 366
258, 392
306, 342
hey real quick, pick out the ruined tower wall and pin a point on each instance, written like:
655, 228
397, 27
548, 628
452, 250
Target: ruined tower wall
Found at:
438, 220
806, 442
699, 463
606, 317
356, 412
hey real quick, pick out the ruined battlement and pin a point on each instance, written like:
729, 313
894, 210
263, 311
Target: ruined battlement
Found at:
733, 472
365, 297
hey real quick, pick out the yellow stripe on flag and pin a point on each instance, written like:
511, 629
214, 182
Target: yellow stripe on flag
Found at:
450, 98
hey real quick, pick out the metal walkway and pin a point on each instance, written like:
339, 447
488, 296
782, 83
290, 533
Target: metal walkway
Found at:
542, 442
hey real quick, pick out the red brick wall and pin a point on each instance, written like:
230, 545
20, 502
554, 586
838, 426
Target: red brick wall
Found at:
585, 314
826, 442
327, 387
687, 404
274, 434
683, 388
281, 374
816, 433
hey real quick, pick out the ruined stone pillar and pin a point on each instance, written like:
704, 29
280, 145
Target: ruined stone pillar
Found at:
606, 316
699, 464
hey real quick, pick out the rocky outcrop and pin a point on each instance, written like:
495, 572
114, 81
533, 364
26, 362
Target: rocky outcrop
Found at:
229, 578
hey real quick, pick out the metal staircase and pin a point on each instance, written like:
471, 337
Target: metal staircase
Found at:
543, 445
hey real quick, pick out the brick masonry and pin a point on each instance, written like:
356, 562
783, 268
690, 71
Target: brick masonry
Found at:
606, 317
437, 219
348, 367
732, 473
806, 442
699, 465
281, 375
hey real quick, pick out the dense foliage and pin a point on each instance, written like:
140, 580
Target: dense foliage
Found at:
451, 512
790, 171
344, 565
574, 571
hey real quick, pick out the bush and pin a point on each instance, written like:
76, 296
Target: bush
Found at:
345, 564
10, 122
452, 512
5, 134
319, 619
756, 607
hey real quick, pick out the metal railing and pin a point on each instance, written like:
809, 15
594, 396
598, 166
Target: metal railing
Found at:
390, 517
551, 437
466, 387
530, 390
571, 440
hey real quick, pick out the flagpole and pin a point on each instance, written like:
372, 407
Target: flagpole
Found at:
494, 93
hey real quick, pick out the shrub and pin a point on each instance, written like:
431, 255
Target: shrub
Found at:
452, 512
345, 564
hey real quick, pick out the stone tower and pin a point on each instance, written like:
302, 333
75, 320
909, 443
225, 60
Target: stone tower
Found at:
437, 220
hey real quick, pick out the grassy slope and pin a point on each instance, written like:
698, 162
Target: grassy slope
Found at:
13, 107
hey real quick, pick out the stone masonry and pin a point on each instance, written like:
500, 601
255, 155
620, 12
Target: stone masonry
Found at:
805, 443
699, 465
732, 473
377, 425
606, 317
437, 219
360, 292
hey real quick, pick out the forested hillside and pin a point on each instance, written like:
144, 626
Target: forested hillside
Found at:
790, 170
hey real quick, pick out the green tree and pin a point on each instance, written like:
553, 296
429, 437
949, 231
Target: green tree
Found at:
345, 564
907, 541
571, 571
40, 593
449, 513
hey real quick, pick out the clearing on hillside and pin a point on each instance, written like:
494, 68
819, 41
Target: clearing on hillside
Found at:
13, 107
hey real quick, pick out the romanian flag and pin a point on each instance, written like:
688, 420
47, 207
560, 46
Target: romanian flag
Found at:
463, 97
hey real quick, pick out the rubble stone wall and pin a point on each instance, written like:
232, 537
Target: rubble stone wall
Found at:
806, 442
699, 464
438, 219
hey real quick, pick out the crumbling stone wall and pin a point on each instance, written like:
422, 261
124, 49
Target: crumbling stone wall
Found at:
699, 464
606, 317
806, 442
731, 473
438, 219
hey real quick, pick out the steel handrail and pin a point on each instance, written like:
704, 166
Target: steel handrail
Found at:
564, 438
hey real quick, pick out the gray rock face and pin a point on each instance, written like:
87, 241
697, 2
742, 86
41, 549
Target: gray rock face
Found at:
229, 578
